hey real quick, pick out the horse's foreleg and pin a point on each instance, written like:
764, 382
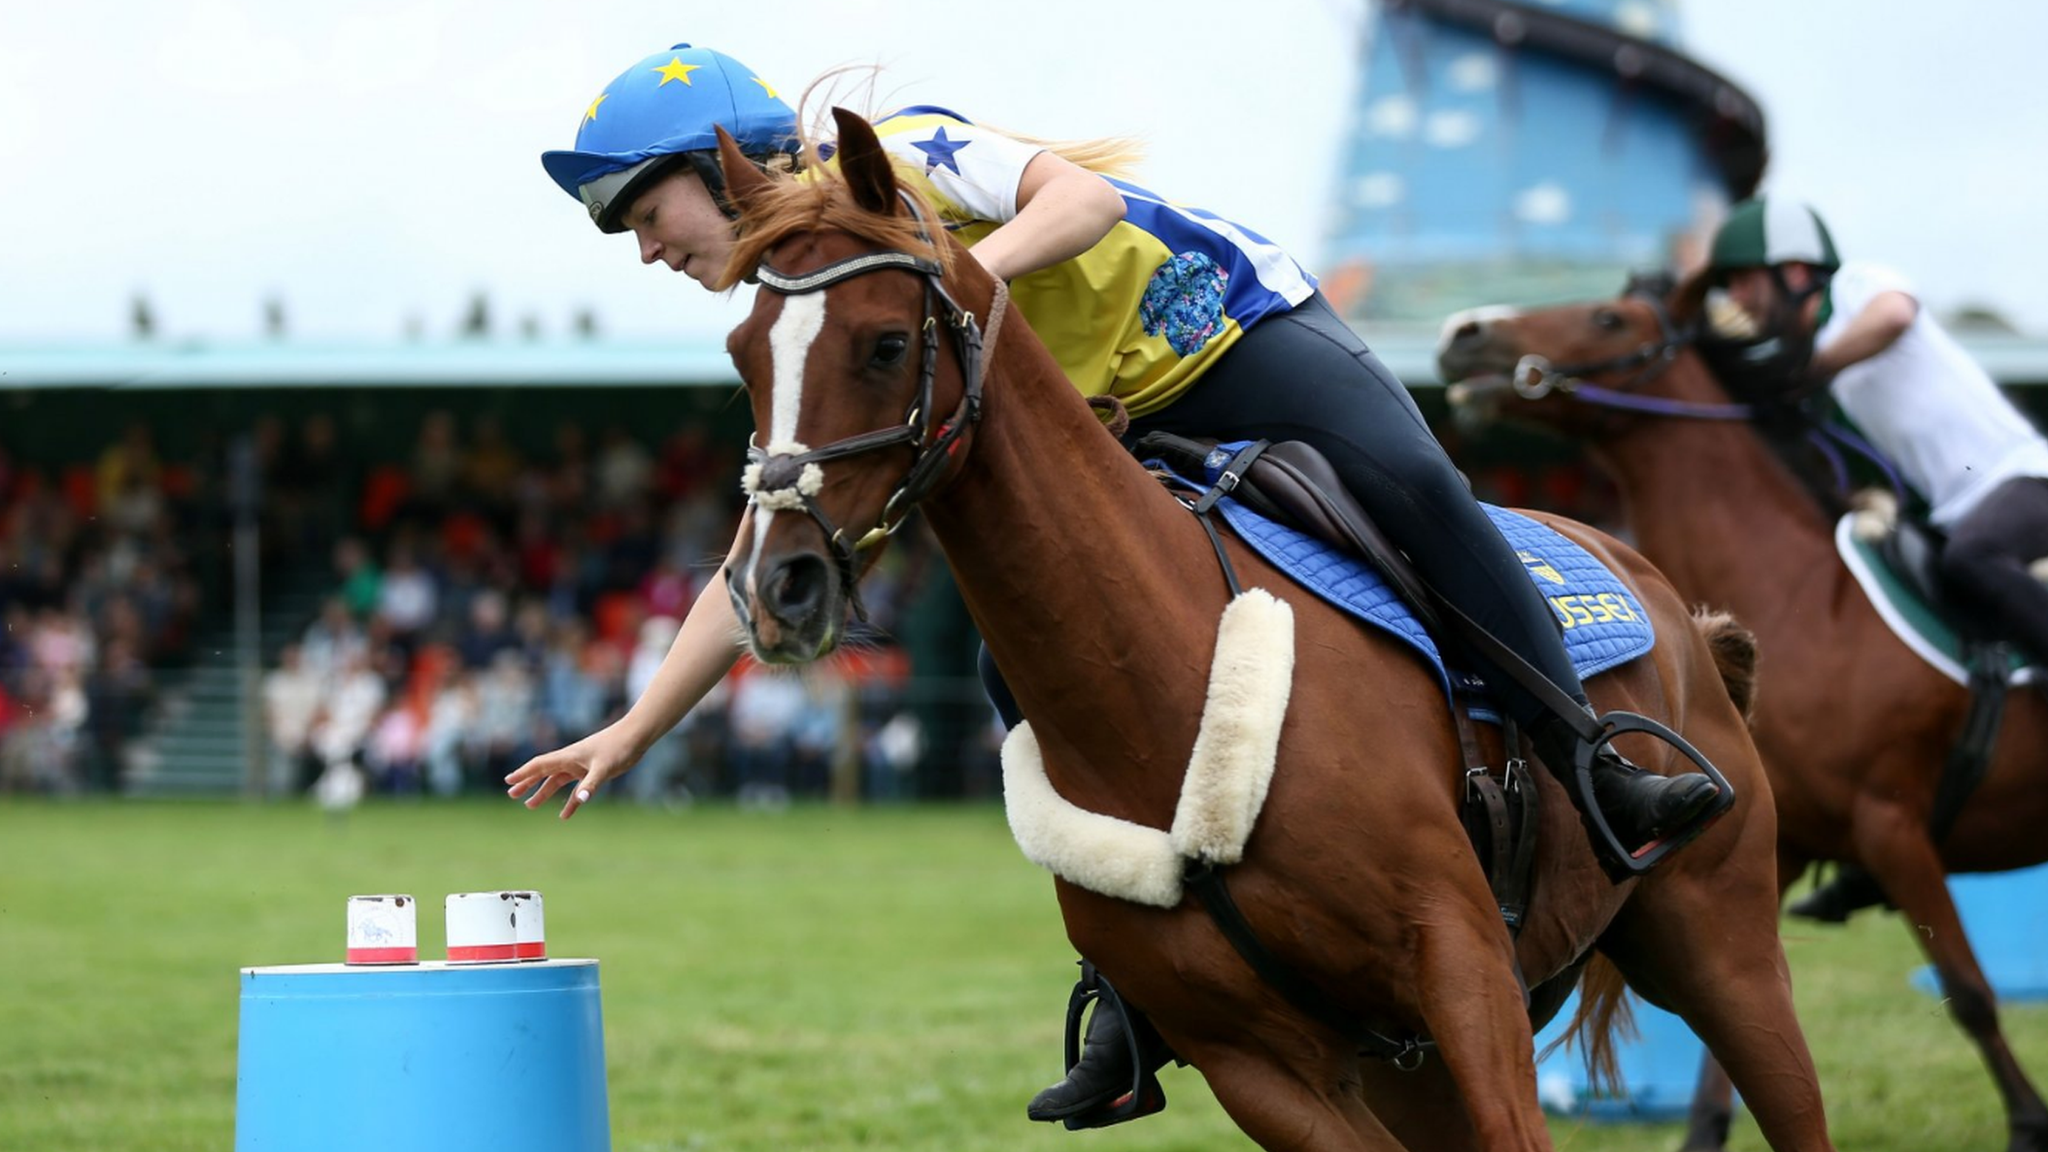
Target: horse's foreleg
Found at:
1288, 1104
1473, 1007
1713, 1098
1701, 939
1904, 861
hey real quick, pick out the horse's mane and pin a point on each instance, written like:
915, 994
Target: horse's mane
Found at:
819, 201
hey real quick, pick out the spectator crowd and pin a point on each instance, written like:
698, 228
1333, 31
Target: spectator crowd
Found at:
479, 599
96, 590
483, 605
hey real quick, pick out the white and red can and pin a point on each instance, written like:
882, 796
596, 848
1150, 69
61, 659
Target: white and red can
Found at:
383, 930
482, 927
529, 927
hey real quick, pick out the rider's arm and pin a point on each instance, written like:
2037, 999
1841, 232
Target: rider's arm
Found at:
1063, 210
704, 650
1874, 329
706, 647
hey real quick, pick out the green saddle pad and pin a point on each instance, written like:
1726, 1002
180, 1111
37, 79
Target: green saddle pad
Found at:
1917, 623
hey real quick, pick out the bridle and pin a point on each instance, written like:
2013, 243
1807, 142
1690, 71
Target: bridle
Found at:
789, 477
1536, 377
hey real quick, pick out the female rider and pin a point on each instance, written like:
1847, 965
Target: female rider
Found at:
1199, 326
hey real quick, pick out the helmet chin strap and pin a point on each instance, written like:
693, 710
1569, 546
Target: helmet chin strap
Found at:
705, 165
1792, 301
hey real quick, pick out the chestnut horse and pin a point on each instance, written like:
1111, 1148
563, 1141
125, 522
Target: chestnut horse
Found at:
1099, 596
1852, 725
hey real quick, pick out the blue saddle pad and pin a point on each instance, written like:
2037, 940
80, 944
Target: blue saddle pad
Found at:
1604, 625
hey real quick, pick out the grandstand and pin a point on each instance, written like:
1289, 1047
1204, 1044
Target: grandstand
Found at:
225, 566
463, 552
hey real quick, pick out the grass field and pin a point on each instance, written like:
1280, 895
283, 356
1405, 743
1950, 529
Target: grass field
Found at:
886, 978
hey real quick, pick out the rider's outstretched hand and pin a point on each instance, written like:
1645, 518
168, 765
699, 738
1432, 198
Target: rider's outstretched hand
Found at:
587, 764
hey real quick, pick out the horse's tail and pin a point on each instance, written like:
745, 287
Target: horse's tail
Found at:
1734, 648
1603, 1010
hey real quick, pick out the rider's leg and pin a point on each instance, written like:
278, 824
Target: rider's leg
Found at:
1988, 553
1306, 376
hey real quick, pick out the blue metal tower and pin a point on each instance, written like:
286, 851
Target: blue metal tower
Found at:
1523, 152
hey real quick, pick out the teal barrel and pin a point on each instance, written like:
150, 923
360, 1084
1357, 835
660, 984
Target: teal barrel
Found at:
422, 1058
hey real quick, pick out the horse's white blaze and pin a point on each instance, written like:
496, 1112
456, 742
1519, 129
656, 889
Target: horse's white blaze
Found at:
789, 349
1482, 315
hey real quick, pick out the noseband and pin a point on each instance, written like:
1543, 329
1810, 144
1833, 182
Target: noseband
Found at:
790, 480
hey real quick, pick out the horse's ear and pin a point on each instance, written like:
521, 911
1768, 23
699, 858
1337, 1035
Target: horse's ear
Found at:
743, 178
863, 164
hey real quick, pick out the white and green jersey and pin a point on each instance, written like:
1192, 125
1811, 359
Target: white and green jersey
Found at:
1927, 406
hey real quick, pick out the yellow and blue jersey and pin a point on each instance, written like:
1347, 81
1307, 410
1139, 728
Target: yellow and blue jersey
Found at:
1144, 312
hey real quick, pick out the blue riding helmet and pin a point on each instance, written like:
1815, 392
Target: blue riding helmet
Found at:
663, 111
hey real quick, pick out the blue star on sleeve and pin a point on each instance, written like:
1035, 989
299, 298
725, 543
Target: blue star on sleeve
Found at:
938, 151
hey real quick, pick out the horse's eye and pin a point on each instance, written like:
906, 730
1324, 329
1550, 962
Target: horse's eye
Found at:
1608, 320
889, 350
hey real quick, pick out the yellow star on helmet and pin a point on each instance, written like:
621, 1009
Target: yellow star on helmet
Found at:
766, 87
601, 98
675, 69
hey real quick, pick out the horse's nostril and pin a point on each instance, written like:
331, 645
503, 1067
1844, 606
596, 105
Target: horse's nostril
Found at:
1469, 332
796, 587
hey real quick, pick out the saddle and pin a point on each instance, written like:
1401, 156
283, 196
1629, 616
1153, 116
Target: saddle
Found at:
1912, 549
1292, 483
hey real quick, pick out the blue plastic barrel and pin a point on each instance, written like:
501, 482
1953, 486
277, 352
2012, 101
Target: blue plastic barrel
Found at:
422, 1058
1659, 1069
2005, 915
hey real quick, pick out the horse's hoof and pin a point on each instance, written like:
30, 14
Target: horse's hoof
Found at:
2029, 1137
1851, 891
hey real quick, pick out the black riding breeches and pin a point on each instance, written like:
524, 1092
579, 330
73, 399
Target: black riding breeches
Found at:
1987, 557
1305, 375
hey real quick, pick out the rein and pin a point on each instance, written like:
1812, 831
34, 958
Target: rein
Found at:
789, 476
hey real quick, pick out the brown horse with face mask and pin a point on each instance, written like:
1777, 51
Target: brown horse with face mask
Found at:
1099, 596
1853, 726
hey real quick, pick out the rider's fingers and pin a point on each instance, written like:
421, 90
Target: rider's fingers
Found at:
551, 785
582, 794
545, 764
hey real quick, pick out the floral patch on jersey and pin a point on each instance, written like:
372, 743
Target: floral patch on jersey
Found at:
1184, 302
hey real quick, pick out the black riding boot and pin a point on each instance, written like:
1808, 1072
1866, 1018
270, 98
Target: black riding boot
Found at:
1104, 1074
1643, 808
1852, 890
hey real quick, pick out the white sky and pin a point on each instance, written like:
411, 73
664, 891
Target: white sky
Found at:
376, 160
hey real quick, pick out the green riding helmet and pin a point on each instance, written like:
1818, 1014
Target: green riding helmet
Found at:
1769, 365
1764, 233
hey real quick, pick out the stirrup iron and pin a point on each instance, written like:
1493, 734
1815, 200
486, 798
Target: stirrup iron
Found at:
1615, 857
1145, 1096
